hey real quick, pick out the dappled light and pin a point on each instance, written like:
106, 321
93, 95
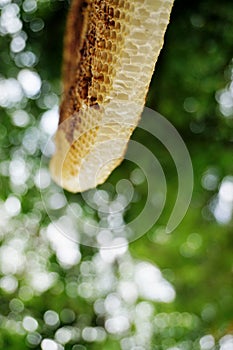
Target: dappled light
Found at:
74, 275
225, 97
222, 206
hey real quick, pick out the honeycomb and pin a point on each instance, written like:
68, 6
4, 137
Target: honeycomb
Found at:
110, 51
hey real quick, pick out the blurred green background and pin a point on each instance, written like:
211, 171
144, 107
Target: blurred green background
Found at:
163, 291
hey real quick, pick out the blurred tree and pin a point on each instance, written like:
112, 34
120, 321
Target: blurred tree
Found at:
166, 291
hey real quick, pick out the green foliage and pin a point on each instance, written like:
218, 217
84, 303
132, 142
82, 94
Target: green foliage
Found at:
58, 294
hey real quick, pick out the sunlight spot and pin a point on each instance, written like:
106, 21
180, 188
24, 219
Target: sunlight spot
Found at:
137, 177
111, 253
128, 291
226, 103
42, 281
226, 342
118, 324
191, 246
36, 24
18, 171
210, 180
25, 59
10, 92
9, 284
42, 179
66, 250
101, 334
99, 306
34, 338
99, 197
51, 101
104, 237
152, 285
17, 44
161, 321
20, 118
51, 318
16, 305
223, 212
57, 201
207, 342
30, 82
30, 140
87, 268
127, 343
49, 344
223, 207
71, 289
63, 335
30, 324
79, 347
49, 121
89, 334
29, 6
115, 220
4, 3
144, 310
25, 293
13, 206
160, 235
9, 21
125, 191
226, 189
225, 99
86, 290
112, 303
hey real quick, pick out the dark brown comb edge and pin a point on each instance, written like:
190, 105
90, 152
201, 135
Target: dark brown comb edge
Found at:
76, 28
90, 29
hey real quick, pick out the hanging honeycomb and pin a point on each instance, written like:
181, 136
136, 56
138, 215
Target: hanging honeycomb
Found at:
110, 51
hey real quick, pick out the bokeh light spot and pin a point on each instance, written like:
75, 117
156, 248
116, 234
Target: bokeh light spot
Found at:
30, 324
30, 82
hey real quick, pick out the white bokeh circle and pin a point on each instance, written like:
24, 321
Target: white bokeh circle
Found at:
110, 205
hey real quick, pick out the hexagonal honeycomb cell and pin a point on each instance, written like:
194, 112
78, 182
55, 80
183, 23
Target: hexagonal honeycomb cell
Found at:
110, 51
